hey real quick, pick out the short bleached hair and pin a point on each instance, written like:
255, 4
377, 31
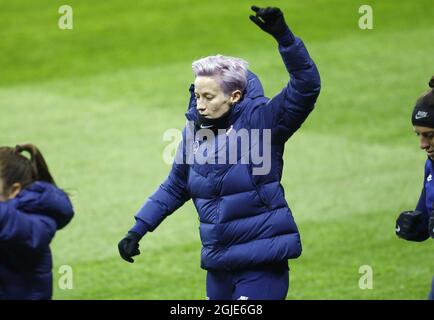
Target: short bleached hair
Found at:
231, 72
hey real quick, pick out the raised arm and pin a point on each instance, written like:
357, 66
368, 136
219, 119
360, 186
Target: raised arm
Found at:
286, 112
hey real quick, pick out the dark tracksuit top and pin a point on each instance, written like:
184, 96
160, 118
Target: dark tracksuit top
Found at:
28, 223
245, 221
425, 204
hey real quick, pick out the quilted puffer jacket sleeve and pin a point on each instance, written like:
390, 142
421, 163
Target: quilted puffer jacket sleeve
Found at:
47, 199
30, 230
168, 197
287, 110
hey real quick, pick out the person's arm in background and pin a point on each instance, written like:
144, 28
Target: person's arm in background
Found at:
414, 225
46, 199
33, 217
168, 197
34, 231
287, 110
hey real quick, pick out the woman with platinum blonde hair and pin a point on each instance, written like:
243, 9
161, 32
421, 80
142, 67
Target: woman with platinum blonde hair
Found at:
247, 230
219, 83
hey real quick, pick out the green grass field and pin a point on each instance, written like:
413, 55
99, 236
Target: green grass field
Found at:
97, 100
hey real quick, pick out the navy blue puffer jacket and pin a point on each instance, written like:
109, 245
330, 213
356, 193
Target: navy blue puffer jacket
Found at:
244, 218
28, 223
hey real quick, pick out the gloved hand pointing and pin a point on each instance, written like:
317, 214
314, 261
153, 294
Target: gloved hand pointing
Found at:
271, 20
129, 246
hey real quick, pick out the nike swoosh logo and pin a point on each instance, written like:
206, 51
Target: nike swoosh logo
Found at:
206, 127
420, 117
398, 229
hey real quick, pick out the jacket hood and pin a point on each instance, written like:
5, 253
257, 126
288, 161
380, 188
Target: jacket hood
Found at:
46, 199
254, 90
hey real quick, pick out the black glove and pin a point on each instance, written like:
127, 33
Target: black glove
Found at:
410, 225
271, 20
431, 227
129, 246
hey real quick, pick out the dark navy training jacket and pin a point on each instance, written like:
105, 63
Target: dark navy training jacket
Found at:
245, 220
425, 205
426, 199
27, 226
